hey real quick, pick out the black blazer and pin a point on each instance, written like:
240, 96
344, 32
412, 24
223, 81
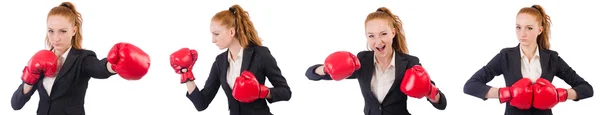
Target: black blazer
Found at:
395, 100
259, 61
508, 64
70, 86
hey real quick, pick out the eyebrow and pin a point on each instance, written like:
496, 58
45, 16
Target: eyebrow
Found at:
379, 32
60, 28
525, 25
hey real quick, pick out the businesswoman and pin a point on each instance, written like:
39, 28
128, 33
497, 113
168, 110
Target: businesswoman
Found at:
387, 74
528, 70
241, 70
61, 74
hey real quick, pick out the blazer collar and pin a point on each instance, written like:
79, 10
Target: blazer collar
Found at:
514, 56
73, 54
400, 64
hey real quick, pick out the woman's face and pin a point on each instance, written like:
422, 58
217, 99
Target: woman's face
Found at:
60, 32
221, 36
527, 29
380, 37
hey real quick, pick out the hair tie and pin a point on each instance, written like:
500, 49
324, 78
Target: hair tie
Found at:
65, 5
534, 7
232, 10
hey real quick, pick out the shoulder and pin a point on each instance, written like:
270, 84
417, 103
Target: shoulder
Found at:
507, 50
85, 52
261, 50
364, 54
221, 56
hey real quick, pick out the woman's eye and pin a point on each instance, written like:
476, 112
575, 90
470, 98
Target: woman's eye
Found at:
530, 28
384, 34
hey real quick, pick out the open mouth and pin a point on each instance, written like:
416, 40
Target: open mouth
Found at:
380, 48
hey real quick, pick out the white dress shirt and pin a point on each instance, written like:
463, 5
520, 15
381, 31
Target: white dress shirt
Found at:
48, 81
383, 78
531, 69
235, 67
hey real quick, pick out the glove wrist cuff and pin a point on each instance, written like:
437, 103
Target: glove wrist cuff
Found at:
187, 76
433, 92
263, 91
562, 94
504, 94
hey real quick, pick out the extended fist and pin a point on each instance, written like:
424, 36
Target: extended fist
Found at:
341, 65
129, 61
182, 61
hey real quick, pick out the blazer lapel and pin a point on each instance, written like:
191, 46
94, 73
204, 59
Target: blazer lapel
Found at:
514, 57
248, 52
68, 63
223, 71
544, 61
367, 74
61, 83
401, 66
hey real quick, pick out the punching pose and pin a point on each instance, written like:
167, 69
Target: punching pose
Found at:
387, 75
61, 74
241, 70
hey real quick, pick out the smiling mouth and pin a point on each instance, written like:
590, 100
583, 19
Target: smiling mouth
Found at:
380, 48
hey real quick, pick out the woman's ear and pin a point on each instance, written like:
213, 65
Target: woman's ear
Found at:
540, 30
232, 32
74, 30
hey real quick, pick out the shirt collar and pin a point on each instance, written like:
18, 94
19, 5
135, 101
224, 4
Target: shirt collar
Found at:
239, 55
392, 63
64, 55
537, 52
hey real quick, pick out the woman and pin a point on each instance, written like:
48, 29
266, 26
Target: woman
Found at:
61, 74
387, 74
528, 70
241, 70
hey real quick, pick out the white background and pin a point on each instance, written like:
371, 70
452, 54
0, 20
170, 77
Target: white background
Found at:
453, 39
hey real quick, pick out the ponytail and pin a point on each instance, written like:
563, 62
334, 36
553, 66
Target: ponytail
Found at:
67, 9
399, 42
239, 19
543, 40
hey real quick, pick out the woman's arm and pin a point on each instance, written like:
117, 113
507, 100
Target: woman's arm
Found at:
440, 100
581, 89
477, 84
280, 91
22, 95
202, 98
96, 68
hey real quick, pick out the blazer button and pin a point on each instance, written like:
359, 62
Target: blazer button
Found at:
379, 108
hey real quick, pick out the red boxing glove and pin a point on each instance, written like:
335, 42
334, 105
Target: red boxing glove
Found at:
247, 89
340, 65
184, 58
520, 94
43, 62
417, 84
546, 95
129, 61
